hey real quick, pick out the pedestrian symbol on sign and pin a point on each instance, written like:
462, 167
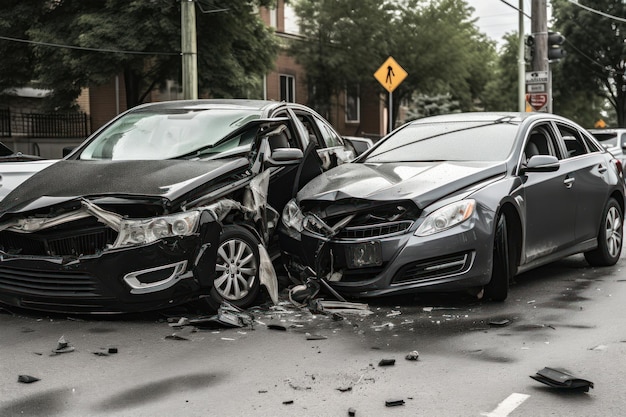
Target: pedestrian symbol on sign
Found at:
390, 74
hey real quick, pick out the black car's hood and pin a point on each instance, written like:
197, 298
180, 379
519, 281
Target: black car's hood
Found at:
422, 182
70, 179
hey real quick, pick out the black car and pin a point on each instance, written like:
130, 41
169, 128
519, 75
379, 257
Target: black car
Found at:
166, 203
458, 202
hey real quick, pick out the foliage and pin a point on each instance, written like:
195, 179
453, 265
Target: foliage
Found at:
436, 42
594, 65
501, 92
234, 46
424, 106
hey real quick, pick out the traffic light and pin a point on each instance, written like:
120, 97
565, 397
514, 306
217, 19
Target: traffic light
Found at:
529, 51
555, 46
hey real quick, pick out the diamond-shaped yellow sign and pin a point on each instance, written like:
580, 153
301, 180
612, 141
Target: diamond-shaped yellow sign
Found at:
390, 74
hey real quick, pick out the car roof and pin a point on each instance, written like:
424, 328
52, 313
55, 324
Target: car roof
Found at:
260, 105
511, 117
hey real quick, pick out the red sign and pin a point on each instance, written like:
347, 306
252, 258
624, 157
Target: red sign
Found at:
537, 101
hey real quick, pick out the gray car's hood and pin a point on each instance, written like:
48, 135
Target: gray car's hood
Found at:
422, 182
70, 179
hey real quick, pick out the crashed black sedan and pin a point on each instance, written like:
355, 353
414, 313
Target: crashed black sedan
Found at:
458, 202
167, 203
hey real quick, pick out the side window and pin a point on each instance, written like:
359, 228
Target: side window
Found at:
575, 144
287, 88
540, 142
309, 124
330, 137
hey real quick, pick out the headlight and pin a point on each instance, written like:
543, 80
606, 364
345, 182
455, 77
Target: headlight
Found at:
292, 216
141, 231
446, 217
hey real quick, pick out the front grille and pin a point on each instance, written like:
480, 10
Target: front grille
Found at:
49, 283
375, 230
58, 243
435, 268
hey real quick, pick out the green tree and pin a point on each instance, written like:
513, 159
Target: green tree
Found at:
501, 92
436, 42
594, 65
234, 46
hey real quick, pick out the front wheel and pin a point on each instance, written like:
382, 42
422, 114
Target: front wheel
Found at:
609, 237
501, 272
237, 269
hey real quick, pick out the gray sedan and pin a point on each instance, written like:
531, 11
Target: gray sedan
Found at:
458, 202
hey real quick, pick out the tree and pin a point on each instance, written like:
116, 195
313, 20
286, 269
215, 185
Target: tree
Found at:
436, 42
234, 46
596, 47
501, 92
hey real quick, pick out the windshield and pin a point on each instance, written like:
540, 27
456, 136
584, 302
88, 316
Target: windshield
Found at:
450, 141
168, 134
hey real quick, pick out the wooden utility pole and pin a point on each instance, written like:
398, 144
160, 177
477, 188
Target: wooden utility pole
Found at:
539, 29
521, 62
189, 49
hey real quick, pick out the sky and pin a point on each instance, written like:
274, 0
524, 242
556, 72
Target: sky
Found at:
496, 18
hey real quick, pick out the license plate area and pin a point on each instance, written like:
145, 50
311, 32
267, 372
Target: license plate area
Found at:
364, 254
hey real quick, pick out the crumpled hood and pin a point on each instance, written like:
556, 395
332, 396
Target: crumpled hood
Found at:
70, 179
422, 182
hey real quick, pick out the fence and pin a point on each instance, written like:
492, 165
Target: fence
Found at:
5, 123
55, 125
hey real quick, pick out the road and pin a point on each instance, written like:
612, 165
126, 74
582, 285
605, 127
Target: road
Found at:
566, 315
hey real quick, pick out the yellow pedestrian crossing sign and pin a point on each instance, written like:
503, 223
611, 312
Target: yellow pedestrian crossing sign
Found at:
390, 74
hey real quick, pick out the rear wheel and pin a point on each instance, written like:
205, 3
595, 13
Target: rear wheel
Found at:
609, 237
237, 269
501, 272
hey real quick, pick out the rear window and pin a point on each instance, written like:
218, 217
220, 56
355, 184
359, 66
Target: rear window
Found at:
457, 141
607, 139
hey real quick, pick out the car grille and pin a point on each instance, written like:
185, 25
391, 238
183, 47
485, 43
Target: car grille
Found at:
47, 283
69, 243
375, 230
435, 268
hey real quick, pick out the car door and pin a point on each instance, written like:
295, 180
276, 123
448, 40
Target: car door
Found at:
588, 169
550, 203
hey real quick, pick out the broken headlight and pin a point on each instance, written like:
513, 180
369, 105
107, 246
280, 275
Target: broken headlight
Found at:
292, 216
446, 217
142, 231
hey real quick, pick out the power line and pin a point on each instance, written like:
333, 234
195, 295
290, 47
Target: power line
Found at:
82, 48
516, 8
619, 19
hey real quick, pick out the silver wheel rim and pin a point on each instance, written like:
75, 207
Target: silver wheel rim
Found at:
236, 268
613, 226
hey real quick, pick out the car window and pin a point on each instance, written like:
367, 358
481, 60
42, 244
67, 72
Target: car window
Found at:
330, 137
607, 139
449, 141
540, 141
575, 144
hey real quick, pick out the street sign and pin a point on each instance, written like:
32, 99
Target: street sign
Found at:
538, 91
390, 75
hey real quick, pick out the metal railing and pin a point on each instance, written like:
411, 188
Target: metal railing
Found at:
55, 125
5, 123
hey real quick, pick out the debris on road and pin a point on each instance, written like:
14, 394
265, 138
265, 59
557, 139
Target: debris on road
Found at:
599, 347
344, 389
315, 337
113, 350
393, 403
288, 402
228, 316
277, 327
499, 323
174, 336
412, 356
387, 362
27, 379
559, 379
342, 307
351, 412
63, 346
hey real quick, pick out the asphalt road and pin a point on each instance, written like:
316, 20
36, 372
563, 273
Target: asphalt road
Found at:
474, 358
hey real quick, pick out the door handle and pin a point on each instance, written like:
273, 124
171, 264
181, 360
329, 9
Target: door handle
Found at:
569, 181
602, 169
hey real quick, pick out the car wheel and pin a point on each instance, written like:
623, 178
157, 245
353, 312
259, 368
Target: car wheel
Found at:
237, 269
498, 288
609, 237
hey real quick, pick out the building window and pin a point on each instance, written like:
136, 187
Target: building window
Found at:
353, 104
287, 88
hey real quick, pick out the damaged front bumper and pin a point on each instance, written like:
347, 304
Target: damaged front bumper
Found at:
126, 278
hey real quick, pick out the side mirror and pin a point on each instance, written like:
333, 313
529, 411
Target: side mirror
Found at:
285, 156
359, 144
542, 163
68, 150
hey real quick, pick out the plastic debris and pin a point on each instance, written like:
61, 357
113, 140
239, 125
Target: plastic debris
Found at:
183, 321
344, 389
499, 323
559, 379
228, 316
277, 327
351, 412
63, 346
112, 350
288, 402
387, 362
27, 379
98, 353
315, 337
174, 336
393, 403
412, 356
344, 307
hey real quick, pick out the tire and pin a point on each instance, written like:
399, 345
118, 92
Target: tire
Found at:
501, 271
237, 269
610, 237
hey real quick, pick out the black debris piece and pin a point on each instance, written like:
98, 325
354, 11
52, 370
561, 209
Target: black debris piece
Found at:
277, 327
393, 403
412, 356
315, 337
175, 337
63, 346
98, 353
112, 350
262, 391
499, 323
27, 379
288, 402
351, 412
387, 362
344, 389
559, 379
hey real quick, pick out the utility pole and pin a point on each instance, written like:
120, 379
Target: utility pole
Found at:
189, 49
539, 28
521, 62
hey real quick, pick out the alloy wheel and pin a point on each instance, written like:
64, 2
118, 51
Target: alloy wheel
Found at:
237, 267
